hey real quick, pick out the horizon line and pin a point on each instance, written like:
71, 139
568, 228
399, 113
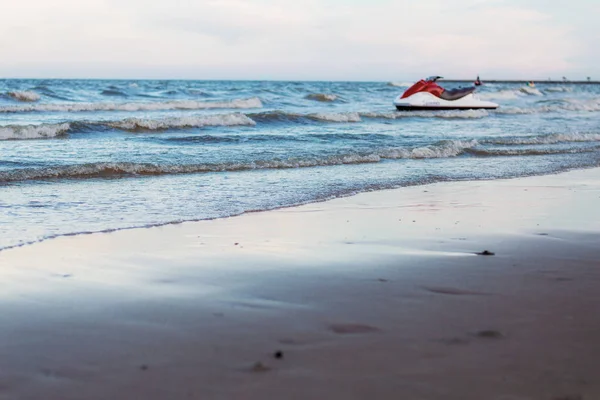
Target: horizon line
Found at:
495, 80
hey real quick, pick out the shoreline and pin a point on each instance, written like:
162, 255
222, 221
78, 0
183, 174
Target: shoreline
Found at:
380, 294
283, 207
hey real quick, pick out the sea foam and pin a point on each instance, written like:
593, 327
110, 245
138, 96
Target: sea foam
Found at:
253, 102
133, 124
21, 132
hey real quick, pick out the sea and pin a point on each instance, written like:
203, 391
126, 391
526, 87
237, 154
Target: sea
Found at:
82, 156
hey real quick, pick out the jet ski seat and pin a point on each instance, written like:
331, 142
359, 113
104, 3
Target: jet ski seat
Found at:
455, 94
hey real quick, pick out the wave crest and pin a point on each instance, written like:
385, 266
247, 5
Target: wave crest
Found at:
558, 89
325, 97
27, 96
400, 84
500, 95
21, 132
526, 152
531, 91
336, 117
587, 105
135, 124
548, 139
120, 169
450, 114
253, 102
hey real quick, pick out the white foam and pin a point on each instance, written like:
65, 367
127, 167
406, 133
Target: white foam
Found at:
106, 169
463, 114
451, 148
589, 105
592, 104
501, 95
336, 117
450, 114
517, 110
253, 102
20, 132
24, 96
400, 84
531, 91
234, 119
550, 139
558, 89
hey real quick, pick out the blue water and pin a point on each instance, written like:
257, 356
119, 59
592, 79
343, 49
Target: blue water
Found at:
93, 155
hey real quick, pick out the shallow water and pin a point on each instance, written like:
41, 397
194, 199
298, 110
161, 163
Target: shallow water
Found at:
93, 155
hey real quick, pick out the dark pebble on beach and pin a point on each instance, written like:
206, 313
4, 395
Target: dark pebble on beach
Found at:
489, 334
278, 354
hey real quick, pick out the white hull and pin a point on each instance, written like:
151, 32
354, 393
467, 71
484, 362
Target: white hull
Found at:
427, 101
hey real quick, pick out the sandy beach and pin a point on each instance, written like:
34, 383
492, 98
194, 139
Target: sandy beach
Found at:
381, 295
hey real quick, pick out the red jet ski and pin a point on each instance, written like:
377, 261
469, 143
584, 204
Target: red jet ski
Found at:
426, 94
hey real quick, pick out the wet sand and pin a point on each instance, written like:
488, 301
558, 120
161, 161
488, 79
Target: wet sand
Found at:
375, 296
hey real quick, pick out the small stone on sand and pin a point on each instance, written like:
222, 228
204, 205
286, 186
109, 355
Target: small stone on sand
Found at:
278, 354
450, 290
345, 329
490, 334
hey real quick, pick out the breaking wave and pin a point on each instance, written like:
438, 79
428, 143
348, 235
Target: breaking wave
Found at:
548, 139
589, 105
510, 94
450, 114
526, 152
43, 131
531, 91
135, 124
253, 102
400, 84
24, 96
284, 116
325, 97
558, 89
120, 169
336, 117
500, 95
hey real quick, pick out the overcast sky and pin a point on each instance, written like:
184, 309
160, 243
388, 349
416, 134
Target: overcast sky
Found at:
300, 39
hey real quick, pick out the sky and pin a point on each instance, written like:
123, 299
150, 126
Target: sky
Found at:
300, 39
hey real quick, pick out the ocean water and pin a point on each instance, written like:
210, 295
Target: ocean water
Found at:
82, 156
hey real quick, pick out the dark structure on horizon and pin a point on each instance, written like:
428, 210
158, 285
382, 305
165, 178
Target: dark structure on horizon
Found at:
563, 81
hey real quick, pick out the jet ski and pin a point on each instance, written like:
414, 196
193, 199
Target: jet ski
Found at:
428, 95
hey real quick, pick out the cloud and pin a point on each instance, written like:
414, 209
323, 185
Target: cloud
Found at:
285, 39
